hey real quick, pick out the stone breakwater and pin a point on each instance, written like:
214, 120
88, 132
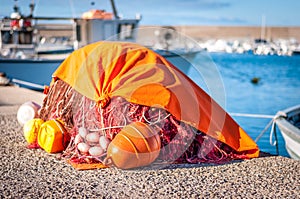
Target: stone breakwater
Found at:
29, 173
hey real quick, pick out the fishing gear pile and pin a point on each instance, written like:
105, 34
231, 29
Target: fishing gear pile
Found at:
121, 104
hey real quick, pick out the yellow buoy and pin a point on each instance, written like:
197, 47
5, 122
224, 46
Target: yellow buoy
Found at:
51, 136
31, 129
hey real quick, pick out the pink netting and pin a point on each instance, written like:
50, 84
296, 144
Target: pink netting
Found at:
181, 143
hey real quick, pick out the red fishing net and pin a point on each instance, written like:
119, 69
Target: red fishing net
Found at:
180, 142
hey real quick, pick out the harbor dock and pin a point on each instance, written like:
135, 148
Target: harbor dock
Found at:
33, 173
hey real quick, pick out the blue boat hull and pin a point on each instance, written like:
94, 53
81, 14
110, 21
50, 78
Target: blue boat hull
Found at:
32, 71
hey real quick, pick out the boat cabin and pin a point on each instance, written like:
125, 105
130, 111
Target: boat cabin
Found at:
30, 37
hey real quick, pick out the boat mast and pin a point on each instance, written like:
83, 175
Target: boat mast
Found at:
31, 6
114, 9
263, 28
16, 7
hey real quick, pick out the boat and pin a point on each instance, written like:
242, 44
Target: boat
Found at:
288, 121
171, 44
296, 51
31, 48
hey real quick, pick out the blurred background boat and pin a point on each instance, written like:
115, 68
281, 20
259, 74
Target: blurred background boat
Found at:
31, 48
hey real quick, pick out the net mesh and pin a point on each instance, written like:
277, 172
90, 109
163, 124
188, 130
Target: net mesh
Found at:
180, 142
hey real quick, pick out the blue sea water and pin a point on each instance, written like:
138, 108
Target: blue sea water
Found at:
230, 85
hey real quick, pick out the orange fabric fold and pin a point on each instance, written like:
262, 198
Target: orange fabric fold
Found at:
106, 69
87, 166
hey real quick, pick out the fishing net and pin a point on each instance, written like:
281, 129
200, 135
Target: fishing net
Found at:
114, 96
181, 143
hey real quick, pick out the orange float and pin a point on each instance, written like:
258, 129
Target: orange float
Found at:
136, 145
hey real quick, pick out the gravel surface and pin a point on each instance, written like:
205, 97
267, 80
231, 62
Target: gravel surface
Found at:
32, 173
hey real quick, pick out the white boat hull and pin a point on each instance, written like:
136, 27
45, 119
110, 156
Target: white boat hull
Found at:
292, 146
182, 60
290, 132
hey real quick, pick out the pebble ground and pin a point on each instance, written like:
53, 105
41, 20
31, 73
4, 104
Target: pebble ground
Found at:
32, 173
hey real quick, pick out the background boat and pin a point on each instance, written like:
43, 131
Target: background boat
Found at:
31, 48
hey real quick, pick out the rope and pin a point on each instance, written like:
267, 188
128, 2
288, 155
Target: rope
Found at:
263, 131
252, 115
272, 132
272, 123
159, 119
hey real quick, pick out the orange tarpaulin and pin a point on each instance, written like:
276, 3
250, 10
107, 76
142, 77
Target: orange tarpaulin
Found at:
104, 70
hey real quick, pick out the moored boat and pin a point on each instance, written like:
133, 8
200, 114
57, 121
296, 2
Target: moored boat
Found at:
29, 58
288, 122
